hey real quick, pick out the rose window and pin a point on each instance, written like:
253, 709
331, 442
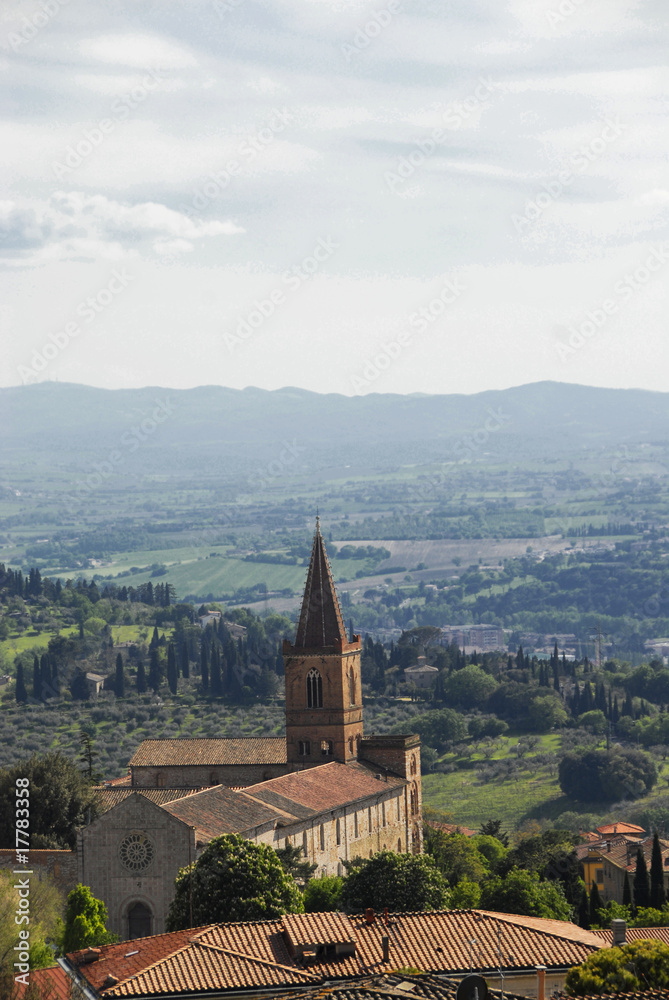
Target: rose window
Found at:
136, 852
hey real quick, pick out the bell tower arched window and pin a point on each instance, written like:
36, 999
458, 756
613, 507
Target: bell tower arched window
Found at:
314, 689
351, 686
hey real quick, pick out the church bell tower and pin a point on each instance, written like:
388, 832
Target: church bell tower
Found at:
323, 683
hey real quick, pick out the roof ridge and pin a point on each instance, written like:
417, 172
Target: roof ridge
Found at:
254, 958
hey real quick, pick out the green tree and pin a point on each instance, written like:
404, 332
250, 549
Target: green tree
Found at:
295, 864
584, 910
172, 678
523, 892
545, 712
142, 685
470, 687
216, 678
606, 775
21, 694
119, 680
640, 965
440, 727
396, 881
595, 903
87, 756
455, 856
85, 921
61, 799
641, 881
155, 669
233, 879
323, 895
46, 904
658, 895
493, 828
204, 667
465, 895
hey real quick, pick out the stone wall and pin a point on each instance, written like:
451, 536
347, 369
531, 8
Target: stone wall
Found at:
101, 866
198, 776
59, 866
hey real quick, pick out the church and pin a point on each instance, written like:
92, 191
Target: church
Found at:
326, 788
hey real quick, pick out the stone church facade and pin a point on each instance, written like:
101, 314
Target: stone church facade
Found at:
326, 787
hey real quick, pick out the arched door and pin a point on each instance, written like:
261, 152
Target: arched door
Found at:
140, 919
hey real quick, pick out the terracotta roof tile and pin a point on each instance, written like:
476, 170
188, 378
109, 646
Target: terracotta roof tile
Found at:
220, 810
620, 828
256, 954
326, 787
637, 934
318, 928
53, 982
109, 797
206, 752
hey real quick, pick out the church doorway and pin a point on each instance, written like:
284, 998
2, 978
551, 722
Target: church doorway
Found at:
140, 919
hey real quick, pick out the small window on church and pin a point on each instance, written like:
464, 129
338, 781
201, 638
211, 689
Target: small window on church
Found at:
350, 744
303, 748
305, 843
369, 818
322, 837
383, 814
327, 748
161, 780
413, 763
351, 686
213, 779
314, 689
399, 846
338, 828
355, 825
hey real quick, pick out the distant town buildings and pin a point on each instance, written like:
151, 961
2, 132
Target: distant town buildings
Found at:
474, 638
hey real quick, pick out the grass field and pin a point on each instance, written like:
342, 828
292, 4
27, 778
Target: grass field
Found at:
525, 796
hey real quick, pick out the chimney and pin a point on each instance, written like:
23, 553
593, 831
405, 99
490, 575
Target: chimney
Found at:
541, 982
369, 915
619, 928
385, 941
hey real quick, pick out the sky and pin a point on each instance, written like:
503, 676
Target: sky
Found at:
348, 196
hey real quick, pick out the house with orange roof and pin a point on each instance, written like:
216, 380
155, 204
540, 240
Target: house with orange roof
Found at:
298, 952
607, 864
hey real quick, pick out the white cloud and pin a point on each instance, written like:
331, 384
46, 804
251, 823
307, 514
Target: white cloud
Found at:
76, 226
140, 51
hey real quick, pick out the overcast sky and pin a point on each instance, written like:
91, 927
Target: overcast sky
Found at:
344, 195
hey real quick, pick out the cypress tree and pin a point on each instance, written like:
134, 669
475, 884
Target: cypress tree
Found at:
184, 662
216, 686
155, 638
155, 673
616, 710
628, 705
627, 891
119, 681
37, 680
584, 910
21, 693
595, 903
172, 668
141, 678
641, 881
204, 667
658, 895
45, 676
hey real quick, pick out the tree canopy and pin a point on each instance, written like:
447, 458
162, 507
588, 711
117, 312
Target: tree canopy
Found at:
640, 965
233, 879
61, 799
85, 921
396, 881
523, 892
607, 775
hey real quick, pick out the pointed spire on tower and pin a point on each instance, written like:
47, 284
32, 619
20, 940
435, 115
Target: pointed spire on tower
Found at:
321, 623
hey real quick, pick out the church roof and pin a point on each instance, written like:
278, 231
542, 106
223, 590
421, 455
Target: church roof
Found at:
321, 623
109, 797
185, 753
286, 799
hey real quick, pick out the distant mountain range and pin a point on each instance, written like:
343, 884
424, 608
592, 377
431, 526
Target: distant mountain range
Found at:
68, 425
